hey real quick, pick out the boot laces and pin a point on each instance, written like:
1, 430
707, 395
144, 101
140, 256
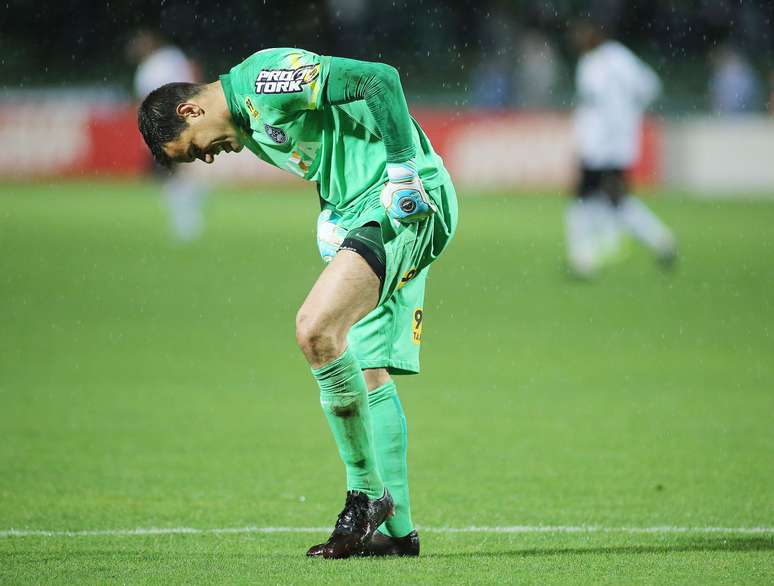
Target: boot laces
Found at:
354, 514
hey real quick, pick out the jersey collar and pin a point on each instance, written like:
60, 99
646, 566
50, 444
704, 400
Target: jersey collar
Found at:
234, 108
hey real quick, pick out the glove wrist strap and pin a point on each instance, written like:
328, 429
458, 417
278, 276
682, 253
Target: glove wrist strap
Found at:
402, 172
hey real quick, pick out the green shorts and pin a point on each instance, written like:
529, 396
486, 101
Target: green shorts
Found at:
390, 336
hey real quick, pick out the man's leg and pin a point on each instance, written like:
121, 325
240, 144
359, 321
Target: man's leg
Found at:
639, 221
391, 445
396, 536
386, 340
581, 223
185, 199
345, 292
581, 237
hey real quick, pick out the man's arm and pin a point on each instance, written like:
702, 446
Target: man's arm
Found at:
650, 84
379, 86
642, 80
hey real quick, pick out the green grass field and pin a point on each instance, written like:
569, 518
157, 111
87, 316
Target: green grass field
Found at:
145, 384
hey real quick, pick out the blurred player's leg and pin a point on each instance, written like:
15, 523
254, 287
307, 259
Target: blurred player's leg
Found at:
606, 231
185, 200
612, 186
581, 245
591, 227
639, 221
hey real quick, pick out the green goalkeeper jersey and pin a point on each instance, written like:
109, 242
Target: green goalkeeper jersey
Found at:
279, 98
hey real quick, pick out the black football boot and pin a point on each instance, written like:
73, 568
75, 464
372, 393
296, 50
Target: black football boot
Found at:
381, 545
355, 525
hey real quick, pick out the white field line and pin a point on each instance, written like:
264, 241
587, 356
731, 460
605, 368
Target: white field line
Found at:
659, 530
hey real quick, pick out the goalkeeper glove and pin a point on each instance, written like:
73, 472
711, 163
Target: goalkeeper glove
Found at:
404, 197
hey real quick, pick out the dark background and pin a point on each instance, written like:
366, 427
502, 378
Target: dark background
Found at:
438, 44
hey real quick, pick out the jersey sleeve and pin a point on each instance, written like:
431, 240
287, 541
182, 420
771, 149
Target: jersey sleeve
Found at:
641, 80
284, 79
649, 85
379, 86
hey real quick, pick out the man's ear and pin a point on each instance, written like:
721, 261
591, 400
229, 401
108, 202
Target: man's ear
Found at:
189, 110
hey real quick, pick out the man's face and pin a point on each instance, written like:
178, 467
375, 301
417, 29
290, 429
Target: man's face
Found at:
201, 140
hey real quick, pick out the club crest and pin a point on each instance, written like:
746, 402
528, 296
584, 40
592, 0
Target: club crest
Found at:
276, 134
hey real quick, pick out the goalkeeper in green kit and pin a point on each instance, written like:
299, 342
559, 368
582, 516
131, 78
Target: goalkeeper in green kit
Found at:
388, 211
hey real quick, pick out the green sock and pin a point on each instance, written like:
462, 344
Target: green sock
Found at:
343, 396
390, 443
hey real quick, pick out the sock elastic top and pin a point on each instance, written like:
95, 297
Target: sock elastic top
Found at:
336, 372
382, 393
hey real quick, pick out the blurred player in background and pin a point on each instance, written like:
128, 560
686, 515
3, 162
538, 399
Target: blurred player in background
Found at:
158, 63
734, 87
770, 103
613, 89
388, 211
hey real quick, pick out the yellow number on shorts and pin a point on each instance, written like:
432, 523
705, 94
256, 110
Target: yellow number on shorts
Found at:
416, 325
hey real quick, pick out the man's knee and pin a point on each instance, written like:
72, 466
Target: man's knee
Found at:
376, 377
319, 339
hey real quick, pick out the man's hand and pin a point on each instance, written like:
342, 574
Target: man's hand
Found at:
404, 197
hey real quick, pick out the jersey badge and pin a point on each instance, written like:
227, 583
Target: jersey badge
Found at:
286, 81
276, 134
250, 108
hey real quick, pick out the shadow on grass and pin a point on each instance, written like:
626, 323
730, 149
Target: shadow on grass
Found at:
748, 544
725, 544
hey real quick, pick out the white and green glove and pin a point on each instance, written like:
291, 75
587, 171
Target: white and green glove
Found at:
404, 197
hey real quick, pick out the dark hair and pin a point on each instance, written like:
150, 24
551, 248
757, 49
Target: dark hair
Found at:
158, 119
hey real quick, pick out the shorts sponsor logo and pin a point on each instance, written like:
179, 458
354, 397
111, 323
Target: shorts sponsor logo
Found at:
285, 81
250, 108
416, 325
276, 134
407, 276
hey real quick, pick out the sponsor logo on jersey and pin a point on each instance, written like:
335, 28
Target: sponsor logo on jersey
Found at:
407, 276
285, 81
416, 325
276, 134
250, 108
